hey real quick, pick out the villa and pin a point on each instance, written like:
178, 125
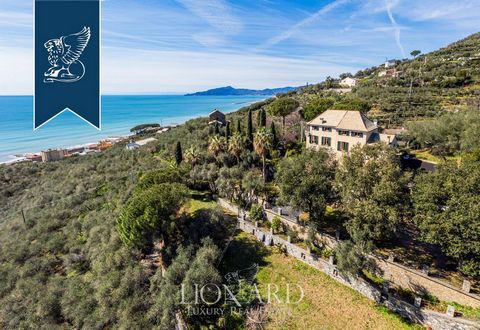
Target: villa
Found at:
349, 82
216, 116
340, 130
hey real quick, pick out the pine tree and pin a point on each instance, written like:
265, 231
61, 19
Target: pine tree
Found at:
250, 131
178, 153
273, 131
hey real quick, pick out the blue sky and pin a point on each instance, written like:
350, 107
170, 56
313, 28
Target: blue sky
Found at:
176, 46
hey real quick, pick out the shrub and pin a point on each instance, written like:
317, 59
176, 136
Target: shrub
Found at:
256, 212
276, 223
349, 259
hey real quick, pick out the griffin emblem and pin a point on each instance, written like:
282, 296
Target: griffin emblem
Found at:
64, 55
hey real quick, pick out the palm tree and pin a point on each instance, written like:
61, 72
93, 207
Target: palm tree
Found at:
217, 144
235, 146
262, 143
192, 156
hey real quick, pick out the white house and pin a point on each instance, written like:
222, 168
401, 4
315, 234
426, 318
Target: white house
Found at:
132, 145
349, 82
390, 63
340, 130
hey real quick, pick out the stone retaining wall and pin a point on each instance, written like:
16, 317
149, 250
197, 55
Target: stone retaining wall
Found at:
417, 281
325, 239
436, 321
394, 272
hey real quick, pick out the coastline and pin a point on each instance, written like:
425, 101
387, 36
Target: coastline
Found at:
22, 156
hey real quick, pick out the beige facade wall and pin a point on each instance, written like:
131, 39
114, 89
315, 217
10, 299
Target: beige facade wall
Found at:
335, 138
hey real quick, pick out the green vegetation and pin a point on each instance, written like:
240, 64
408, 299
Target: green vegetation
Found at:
282, 107
373, 192
326, 303
139, 129
262, 143
423, 87
305, 182
178, 153
447, 135
85, 240
315, 106
446, 206
350, 260
150, 212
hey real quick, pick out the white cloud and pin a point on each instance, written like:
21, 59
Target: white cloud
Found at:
154, 71
15, 19
216, 13
16, 66
389, 5
445, 10
298, 26
180, 71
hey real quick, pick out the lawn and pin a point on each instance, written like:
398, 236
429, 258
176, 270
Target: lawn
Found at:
427, 156
198, 201
326, 304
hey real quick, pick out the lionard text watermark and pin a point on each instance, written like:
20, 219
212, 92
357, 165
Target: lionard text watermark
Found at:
238, 294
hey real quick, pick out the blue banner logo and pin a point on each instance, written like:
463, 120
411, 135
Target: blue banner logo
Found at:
67, 60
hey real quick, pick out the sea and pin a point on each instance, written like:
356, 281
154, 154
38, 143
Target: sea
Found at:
119, 114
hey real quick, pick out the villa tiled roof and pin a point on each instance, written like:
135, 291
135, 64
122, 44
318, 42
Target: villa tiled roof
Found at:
344, 119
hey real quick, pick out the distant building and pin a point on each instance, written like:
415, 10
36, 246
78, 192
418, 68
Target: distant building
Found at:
216, 116
33, 157
53, 155
104, 144
390, 63
340, 130
390, 73
132, 145
349, 82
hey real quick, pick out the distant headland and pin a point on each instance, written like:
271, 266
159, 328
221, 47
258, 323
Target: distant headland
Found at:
229, 90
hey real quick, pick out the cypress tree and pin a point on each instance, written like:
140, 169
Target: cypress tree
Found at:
263, 118
250, 131
273, 131
178, 153
227, 130
239, 127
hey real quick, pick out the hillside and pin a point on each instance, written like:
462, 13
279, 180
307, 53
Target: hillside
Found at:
229, 90
443, 80
79, 236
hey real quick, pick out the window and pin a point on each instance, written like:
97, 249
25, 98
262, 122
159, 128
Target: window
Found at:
326, 129
326, 141
357, 134
345, 133
342, 146
315, 128
313, 139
